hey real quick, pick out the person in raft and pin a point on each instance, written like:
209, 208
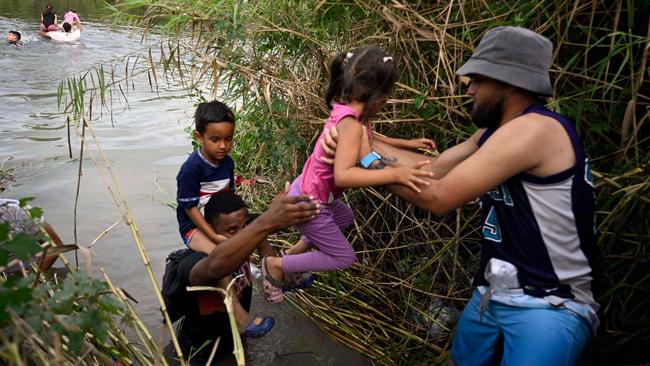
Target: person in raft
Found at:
65, 35
71, 18
49, 19
361, 81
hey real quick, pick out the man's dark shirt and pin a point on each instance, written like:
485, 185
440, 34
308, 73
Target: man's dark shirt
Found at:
207, 318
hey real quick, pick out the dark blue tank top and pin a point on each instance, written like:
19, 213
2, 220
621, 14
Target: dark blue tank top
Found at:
544, 226
48, 19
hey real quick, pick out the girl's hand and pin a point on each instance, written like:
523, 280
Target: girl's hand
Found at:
411, 176
422, 143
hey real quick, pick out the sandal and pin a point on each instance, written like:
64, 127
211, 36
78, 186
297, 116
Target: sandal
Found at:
298, 280
259, 326
272, 287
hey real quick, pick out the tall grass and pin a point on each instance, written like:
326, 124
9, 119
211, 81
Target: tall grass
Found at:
398, 303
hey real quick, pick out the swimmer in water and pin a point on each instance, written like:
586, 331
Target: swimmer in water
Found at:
13, 37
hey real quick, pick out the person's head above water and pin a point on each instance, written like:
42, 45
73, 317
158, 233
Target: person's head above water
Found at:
13, 36
365, 75
67, 27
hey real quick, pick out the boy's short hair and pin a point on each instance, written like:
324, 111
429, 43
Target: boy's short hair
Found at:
67, 27
213, 111
225, 202
16, 33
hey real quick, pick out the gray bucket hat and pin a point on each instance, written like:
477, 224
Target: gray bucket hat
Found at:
515, 56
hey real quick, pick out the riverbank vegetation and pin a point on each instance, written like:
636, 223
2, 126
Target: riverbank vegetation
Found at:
398, 304
63, 317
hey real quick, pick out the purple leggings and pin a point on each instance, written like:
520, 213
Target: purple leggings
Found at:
323, 232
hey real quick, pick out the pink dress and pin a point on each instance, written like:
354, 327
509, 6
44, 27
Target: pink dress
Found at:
325, 231
318, 177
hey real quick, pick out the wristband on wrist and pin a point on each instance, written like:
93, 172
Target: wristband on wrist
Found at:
366, 161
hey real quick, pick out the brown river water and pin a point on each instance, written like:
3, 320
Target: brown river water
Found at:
145, 147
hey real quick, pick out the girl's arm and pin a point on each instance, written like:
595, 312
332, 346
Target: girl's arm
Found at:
198, 220
421, 143
348, 175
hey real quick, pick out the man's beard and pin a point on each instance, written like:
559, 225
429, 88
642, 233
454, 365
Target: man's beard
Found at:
488, 114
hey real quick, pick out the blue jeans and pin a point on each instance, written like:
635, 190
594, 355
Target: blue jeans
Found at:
530, 336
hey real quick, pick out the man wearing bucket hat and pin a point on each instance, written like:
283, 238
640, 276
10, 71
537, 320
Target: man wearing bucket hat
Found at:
533, 303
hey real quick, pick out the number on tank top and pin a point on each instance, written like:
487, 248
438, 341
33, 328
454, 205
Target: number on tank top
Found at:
491, 230
502, 194
589, 178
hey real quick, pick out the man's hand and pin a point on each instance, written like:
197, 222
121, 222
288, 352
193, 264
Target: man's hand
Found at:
287, 211
328, 143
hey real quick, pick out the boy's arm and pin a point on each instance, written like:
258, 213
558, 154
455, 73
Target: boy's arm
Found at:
187, 197
232, 175
198, 220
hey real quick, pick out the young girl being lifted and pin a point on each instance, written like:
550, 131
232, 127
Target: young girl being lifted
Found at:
360, 81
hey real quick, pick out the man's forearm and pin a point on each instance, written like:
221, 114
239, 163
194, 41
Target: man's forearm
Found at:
229, 255
394, 156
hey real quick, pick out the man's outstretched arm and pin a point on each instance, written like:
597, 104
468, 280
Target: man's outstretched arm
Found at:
440, 167
394, 156
226, 257
469, 171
